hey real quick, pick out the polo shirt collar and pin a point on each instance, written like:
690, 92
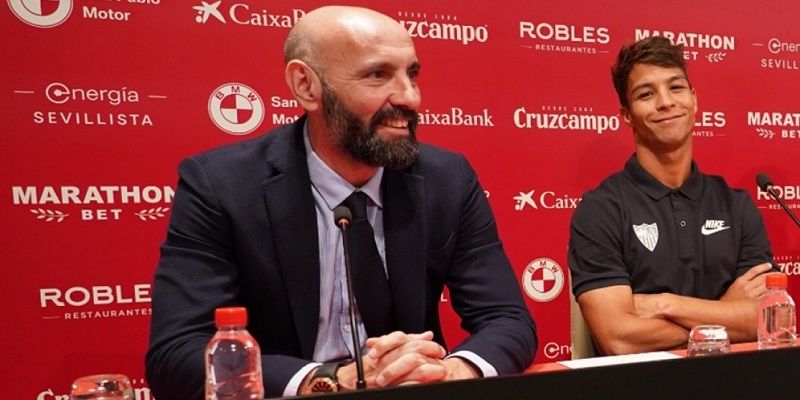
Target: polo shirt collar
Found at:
692, 188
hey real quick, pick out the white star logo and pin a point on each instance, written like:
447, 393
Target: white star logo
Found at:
208, 10
525, 199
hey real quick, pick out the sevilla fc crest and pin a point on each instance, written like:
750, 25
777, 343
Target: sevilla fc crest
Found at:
647, 234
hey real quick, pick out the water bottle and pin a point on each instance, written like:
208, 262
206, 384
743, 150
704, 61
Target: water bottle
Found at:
776, 319
233, 359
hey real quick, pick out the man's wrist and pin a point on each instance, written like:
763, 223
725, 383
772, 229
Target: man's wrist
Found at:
459, 368
346, 374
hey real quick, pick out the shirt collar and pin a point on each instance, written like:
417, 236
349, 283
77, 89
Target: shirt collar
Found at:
655, 189
333, 188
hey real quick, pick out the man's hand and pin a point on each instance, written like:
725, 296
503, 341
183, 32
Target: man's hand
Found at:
750, 286
648, 305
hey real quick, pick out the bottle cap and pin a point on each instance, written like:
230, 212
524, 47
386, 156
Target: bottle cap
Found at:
230, 316
777, 280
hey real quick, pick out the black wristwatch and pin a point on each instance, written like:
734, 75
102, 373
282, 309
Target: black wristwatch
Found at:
324, 379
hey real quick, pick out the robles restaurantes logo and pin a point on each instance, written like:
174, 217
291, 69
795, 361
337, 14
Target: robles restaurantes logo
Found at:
788, 51
790, 194
543, 279
706, 123
241, 14
236, 108
547, 199
564, 118
441, 27
714, 47
771, 125
564, 38
110, 106
93, 302
41, 13
94, 203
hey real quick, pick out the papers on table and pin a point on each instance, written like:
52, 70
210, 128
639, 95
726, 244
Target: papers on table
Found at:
616, 360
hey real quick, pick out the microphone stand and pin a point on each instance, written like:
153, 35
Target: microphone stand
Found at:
785, 207
361, 382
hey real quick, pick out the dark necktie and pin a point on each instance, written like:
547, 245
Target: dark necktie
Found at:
372, 292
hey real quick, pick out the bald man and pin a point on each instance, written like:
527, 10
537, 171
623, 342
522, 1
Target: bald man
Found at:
253, 225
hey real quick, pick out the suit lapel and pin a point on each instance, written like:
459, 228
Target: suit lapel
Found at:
292, 216
404, 229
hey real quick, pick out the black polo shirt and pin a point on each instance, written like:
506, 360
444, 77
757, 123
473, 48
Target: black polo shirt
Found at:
692, 241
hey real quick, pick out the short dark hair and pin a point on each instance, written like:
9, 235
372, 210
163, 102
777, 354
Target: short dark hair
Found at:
654, 50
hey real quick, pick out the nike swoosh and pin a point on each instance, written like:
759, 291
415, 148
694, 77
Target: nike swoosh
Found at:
706, 231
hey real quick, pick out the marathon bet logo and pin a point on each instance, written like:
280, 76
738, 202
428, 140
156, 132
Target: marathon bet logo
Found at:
441, 27
236, 108
456, 117
715, 47
241, 14
41, 13
770, 125
783, 49
563, 38
564, 118
140, 391
94, 203
549, 200
106, 106
543, 279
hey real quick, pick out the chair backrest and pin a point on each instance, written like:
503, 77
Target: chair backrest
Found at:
582, 344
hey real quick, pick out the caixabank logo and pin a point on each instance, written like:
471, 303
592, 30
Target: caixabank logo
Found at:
51, 13
534, 200
65, 104
781, 54
709, 47
772, 125
562, 37
457, 116
560, 118
243, 14
101, 203
442, 26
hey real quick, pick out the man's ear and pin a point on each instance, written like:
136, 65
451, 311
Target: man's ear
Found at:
305, 84
626, 114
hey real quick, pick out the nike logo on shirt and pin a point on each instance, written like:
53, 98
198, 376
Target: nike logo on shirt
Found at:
713, 226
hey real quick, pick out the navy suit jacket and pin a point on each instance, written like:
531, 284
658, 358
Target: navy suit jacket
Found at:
243, 232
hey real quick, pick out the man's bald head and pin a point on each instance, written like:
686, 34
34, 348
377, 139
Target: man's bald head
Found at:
319, 30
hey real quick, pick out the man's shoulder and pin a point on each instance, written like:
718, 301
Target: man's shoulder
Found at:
247, 152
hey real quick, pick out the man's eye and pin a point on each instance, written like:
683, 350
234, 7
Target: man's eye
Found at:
644, 95
377, 74
676, 88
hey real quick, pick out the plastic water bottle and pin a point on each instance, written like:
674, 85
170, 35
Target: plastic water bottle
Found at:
777, 319
233, 359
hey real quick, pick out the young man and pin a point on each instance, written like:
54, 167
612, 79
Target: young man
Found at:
253, 225
661, 247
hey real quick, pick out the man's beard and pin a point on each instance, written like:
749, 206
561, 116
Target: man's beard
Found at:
362, 142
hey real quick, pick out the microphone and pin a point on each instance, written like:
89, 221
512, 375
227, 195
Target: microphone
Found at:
342, 216
765, 184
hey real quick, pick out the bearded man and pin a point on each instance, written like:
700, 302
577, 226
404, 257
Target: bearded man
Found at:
253, 225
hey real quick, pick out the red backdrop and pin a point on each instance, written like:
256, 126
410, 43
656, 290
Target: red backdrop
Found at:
102, 99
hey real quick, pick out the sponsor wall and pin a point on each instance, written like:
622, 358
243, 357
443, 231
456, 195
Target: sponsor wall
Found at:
102, 99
